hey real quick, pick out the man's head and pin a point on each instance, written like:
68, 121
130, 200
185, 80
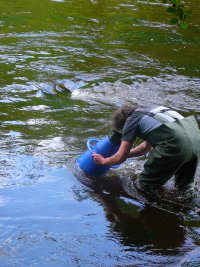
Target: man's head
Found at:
120, 116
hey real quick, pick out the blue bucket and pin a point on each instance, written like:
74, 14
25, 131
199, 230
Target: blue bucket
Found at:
104, 147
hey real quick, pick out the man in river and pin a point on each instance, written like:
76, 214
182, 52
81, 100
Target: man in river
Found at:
172, 143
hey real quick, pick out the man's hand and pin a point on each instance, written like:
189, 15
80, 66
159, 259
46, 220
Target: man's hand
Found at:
140, 150
117, 158
98, 159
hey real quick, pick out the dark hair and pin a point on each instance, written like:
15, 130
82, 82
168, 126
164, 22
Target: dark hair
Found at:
120, 116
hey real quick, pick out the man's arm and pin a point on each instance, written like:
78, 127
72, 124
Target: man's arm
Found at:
118, 158
140, 150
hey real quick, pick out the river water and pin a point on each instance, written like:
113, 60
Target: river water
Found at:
65, 66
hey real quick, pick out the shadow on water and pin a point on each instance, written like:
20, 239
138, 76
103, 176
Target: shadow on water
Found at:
146, 225
154, 220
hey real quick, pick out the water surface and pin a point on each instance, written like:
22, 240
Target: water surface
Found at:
65, 66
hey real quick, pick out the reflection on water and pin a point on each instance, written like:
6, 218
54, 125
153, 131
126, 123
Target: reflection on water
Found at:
64, 70
151, 227
155, 221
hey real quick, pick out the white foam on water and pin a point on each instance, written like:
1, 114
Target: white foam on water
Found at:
192, 258
175, 91
52, 144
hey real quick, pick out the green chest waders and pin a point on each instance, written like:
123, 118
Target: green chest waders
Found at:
176, 151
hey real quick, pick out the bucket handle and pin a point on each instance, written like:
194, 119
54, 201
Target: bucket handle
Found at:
90, 147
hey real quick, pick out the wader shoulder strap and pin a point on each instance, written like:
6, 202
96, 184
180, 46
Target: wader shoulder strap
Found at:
165, 115
153, 113
162, 114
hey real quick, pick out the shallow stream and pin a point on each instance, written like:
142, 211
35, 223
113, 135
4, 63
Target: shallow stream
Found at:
65, 66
